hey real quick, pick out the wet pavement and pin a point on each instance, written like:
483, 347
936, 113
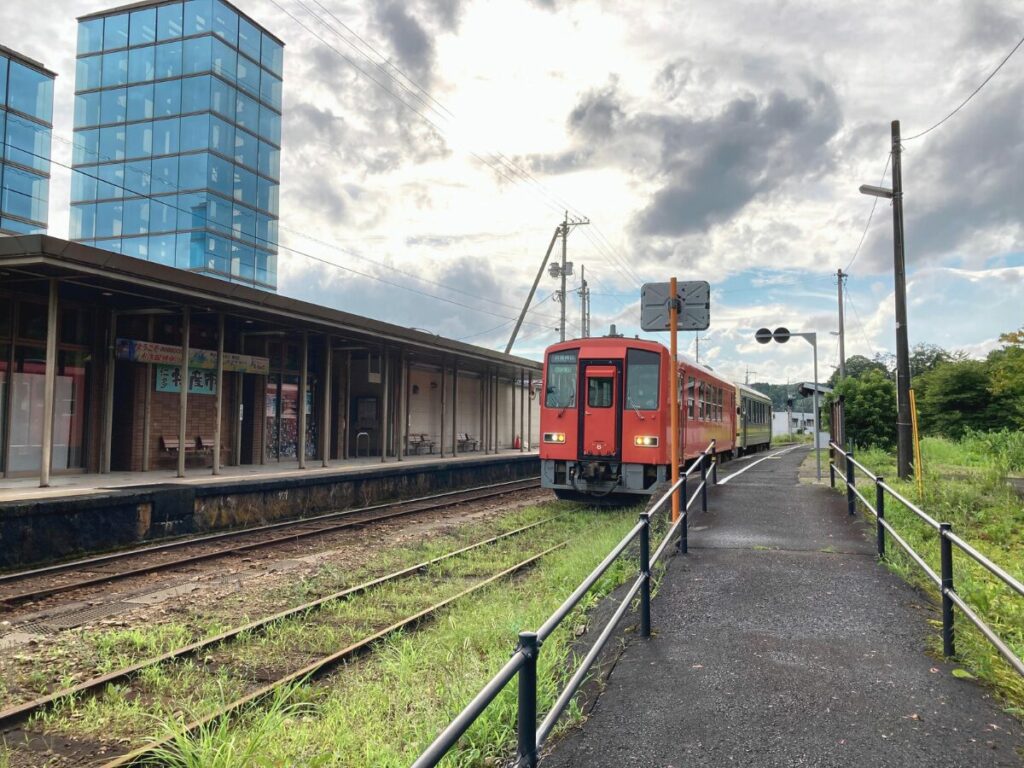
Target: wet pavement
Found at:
780, 641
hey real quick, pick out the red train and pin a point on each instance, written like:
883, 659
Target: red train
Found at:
605, 416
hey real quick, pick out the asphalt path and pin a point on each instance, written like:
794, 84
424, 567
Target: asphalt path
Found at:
780, 641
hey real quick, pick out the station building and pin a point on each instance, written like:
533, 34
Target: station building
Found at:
93, 378
177, 153
26, 124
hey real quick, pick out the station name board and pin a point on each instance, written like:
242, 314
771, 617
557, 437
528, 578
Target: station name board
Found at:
167, 354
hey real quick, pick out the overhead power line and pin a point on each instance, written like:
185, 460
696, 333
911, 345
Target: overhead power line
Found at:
498, 162
206, 220
972, 95
867, 224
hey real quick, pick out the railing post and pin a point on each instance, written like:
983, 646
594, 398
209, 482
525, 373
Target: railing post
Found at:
851, 500
714, 470
645, 574
684, 524
880, 509
946, 552
832, 467
703, 482
528, 701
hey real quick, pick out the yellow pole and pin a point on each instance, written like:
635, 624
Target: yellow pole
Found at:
673, 393
918, 469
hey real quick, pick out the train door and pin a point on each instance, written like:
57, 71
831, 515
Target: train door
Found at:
745, 416
600, 425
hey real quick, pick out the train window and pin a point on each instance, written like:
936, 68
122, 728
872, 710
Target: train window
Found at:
643, 370
690, 397
560, 385
599, 393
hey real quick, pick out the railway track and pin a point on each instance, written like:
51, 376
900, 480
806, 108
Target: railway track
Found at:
13, 717
59, 578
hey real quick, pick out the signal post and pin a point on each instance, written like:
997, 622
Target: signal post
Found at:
672, 307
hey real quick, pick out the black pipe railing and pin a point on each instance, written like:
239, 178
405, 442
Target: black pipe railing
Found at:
523, 664
947, 541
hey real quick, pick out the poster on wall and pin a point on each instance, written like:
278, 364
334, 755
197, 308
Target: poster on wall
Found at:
200, 382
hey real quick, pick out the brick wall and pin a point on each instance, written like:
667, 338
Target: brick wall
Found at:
164, 423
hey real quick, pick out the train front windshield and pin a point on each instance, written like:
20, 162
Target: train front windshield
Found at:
560, 389
642, 376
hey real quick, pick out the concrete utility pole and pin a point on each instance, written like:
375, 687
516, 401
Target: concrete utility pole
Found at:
903, 426
584, 293
842, 333
566, 267
696, 341
904, 434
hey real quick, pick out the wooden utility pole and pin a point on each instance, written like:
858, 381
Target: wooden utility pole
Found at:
842, 333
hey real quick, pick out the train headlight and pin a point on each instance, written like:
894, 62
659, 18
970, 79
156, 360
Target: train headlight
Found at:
554, 437
645, 441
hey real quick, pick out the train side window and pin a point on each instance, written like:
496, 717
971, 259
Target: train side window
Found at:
643, 370
690, 393
599, 393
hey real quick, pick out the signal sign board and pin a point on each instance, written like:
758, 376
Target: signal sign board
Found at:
781, 335
763, 335
695, 313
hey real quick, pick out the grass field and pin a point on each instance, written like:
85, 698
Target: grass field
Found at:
966, 484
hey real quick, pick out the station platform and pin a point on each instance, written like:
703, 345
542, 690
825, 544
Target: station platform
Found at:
80, 514
780, 641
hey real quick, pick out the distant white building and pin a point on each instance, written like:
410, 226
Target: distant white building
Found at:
795, 423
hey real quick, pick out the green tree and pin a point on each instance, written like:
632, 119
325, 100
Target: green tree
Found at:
956, 396
857, 366
869, 409
1006, 371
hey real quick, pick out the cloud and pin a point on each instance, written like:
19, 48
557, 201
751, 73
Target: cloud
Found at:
407, 38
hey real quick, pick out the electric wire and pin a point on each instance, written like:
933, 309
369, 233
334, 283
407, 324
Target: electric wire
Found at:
972, 94
206, 220
860, 325
871, 215
506, 165
271, 243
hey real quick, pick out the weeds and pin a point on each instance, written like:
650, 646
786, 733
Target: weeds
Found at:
965, 485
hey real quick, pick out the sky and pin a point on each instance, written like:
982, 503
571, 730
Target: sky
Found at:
431, 148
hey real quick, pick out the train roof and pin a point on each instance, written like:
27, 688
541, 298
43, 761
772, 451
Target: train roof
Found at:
752, 392
618, 342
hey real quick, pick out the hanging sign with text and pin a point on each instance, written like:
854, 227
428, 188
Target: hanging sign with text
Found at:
167, 354
200, 381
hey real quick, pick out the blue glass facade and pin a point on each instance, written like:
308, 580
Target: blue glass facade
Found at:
177, 151
26, 122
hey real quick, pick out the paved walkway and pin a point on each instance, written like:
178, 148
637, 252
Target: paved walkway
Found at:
781, 642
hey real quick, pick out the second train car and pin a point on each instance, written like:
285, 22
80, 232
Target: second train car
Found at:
605, 416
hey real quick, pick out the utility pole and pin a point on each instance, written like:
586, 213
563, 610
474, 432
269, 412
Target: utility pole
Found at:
566, 267
903, 425
842, 333
584, 293
696, 342
904, 434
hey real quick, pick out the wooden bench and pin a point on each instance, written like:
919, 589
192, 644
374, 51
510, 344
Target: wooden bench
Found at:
466, 442
171, 445
419, 443
204, 444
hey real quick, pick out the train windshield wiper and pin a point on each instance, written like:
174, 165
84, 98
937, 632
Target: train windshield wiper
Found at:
632, 405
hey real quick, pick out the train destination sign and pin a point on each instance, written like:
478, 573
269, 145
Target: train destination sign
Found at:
695, 315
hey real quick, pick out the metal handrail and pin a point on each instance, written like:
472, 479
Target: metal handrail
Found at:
947, 540
524, 661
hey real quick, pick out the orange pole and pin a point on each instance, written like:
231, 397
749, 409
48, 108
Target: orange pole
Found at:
673, 388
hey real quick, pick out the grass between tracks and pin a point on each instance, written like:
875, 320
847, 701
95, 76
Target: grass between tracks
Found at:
965, 484
383, 709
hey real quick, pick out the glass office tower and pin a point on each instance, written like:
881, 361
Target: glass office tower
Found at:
177, 151
26, 122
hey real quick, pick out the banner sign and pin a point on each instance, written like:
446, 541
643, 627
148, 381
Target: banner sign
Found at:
168, 354
200, 381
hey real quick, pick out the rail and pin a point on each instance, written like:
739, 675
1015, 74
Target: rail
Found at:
523, 663
947, 541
